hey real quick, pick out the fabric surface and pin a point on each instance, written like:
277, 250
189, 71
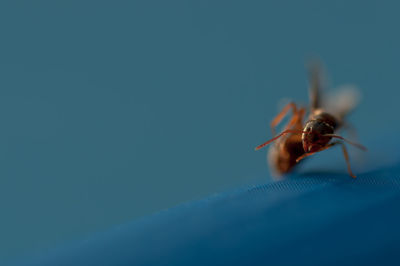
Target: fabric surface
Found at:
309, 219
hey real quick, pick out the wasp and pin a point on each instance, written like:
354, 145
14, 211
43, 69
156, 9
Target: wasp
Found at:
326, 117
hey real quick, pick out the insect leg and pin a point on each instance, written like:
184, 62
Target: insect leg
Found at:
345, 154
346, 157
297, 120
282, 114
311, 153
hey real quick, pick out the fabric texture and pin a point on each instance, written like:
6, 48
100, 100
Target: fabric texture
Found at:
313, 219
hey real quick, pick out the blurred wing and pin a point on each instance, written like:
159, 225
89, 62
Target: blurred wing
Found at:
342, 101
317, 82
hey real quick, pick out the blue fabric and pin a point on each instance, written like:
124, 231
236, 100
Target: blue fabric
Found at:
111, 110
309, 219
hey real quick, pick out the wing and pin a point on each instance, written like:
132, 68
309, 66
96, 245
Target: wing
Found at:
316, 80
342, 101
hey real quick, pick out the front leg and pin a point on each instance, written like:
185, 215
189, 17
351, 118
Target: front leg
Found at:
311, 153
345, 154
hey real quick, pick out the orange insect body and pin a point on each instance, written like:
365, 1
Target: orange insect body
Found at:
283, 153
298, 141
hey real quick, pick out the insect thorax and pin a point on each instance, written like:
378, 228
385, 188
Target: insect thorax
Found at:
324, 120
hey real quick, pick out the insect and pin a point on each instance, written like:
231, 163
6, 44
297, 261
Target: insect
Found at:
326, 117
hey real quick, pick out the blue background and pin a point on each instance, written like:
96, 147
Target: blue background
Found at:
114, 110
